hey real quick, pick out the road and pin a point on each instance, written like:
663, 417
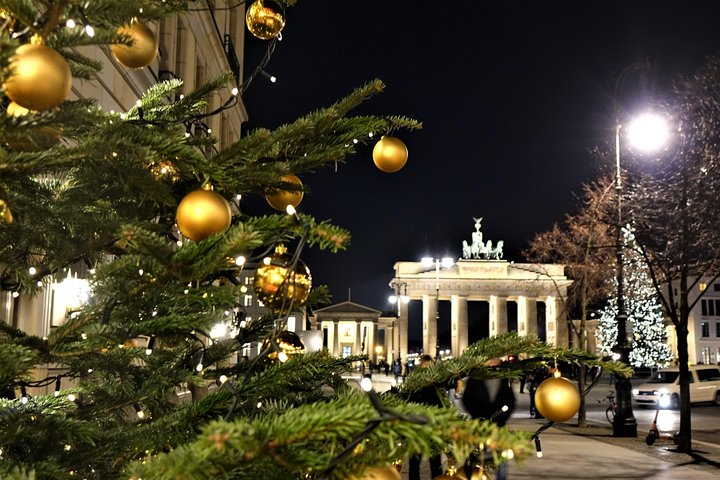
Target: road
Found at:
705, 416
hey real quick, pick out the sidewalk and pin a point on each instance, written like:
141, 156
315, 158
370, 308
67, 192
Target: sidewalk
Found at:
571, 453
570, 456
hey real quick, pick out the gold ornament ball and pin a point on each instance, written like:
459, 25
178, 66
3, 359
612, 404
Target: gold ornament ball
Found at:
5, 213
34, 138
275, 281
263, 21
40, 78
202, 213
280, 199
379, 473
143, 49
390, 154
557, 399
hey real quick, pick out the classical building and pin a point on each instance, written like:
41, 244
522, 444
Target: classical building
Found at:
348, 329
703, 325
496, 282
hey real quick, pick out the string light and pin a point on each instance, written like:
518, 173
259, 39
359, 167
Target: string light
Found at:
71, 397
70, 23
32, 270
239, 260
283, 357
223, 379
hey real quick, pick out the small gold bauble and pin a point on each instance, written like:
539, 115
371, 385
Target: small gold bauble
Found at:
5, 213
33, 138
557, 399
202, 213
290, 343
143, 49
40, 78
276, 285
263, 21
280, 199
390, 154
379, 473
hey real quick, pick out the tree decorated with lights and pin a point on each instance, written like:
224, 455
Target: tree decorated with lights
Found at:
644, 310
144, 206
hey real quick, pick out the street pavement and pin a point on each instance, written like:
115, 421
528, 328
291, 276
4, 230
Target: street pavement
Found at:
571, 452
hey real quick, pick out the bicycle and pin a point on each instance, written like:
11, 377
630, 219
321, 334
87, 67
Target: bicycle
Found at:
611, 410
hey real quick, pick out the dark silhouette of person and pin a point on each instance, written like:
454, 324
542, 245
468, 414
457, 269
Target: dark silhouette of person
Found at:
490, 399
427, 395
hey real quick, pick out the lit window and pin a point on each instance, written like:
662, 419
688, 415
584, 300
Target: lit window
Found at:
248, 280
703, 287
247, 301
705, 329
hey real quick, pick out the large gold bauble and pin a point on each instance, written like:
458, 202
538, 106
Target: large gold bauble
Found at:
379, 473
5, 213
33, 138
202, 213
290, 343
263, 21
390, 154
40, 78
280, 199
143, 49
557, 399
275, 281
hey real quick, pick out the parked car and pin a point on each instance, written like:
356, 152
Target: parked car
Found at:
663, 389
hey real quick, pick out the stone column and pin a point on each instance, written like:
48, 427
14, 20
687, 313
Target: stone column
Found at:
335, 349
555, 324
429, 324
389, 341
527, 316
498, 315
401, 327
458, 324
357, 350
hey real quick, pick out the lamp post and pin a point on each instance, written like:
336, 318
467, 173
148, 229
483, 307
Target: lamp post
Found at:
445, 262
646, 132
398, 297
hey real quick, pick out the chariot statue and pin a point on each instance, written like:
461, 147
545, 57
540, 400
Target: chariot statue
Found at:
479, 250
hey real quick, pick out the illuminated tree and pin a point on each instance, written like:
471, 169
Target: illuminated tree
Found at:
645, 312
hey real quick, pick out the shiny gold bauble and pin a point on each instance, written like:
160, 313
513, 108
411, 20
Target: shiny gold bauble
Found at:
33, 138
290, 343
280, 199
458, 473
5, 213
143, 49
379, 473
557, 399
264, 20
390, 154
40, 78
276, 285
202, 213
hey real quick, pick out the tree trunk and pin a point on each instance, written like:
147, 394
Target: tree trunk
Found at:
684, 436
582, 412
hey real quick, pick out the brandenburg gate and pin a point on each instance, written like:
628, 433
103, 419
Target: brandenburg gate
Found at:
480, 278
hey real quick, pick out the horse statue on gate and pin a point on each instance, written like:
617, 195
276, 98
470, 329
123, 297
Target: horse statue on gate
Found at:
497, 252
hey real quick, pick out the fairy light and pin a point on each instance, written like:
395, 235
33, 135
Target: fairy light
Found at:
259, 404
70, 23
366, 384
370, 134
235, 91
32, 270
283, 357
15, 294
71, 397
83, 336
89, 30
223, 379
239, 260
141, 272
199, 367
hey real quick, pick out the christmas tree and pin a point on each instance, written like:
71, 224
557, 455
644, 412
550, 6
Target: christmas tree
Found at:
644, 311
143, 206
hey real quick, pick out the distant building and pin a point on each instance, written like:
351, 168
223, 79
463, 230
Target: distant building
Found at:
703, 325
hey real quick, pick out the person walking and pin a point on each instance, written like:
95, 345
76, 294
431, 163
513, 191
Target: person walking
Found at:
490, 399
427, 395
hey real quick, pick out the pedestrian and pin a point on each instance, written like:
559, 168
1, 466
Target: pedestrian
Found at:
490, 399
523, 381
397, 370
427, 395
538, 376
386, 366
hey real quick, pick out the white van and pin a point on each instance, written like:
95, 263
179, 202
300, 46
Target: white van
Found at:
663, 389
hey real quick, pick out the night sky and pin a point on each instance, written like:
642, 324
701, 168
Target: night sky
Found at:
512, 95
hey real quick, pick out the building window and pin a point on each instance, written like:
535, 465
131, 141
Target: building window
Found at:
717, 329
703, 308
346, 351
716, 287
248, 280
705, 329
247, 300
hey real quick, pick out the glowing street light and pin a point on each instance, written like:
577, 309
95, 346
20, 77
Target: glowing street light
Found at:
647, 133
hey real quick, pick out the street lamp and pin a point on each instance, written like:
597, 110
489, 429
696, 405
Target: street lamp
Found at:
445, 262
647, 133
